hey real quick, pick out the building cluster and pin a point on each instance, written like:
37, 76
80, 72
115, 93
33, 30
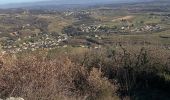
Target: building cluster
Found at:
91, 28
33, 43
147, 28
74, 13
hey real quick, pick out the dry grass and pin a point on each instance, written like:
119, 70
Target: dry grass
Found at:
102, 74
123, 18
34, 77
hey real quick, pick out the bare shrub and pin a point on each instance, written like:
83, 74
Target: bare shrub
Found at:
34, 77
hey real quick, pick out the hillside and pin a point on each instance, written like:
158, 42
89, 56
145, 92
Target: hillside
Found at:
85, 50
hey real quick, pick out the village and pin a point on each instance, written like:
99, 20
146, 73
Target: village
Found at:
33, 43
118, 29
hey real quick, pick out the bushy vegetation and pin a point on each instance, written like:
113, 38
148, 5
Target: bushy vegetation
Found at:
102, 74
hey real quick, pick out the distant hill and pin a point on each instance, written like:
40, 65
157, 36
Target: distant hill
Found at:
67, 3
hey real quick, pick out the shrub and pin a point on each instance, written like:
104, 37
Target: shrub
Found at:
35, 77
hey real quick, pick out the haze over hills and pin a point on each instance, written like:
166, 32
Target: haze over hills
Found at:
65, 2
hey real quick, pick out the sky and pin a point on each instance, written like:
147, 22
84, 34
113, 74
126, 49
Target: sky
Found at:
17, 1
61, 1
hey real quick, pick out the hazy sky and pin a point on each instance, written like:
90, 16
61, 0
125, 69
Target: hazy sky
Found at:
65, 1
22, 1
17, 1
